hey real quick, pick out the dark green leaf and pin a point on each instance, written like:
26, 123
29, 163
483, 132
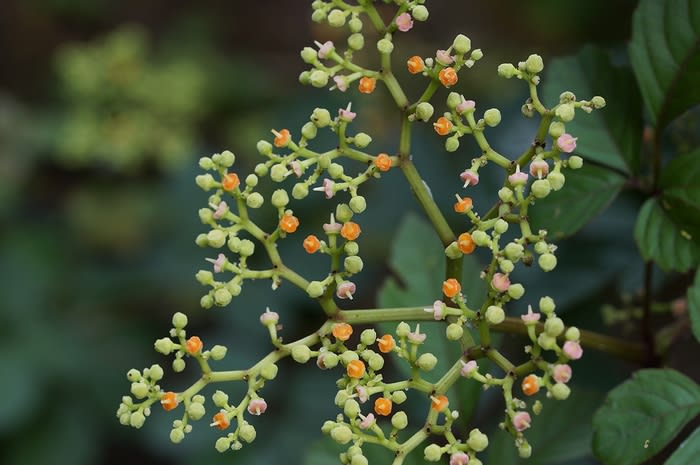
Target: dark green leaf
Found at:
688, 452
665, 54
586, 193
661, 240
694, 306
681, 193
642, 415
610, 136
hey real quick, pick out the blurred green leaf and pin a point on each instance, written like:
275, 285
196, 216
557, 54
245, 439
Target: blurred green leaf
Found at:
611, 136
642, 415
662, 240
665, 55
688, 452
554, 437
681, 192
587, 192
694, 306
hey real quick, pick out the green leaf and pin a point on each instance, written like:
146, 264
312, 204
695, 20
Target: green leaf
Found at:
610, 136
681, 192
642, 415
665, 55
587, 192
694, 306
688, 452
417, 258
661, 240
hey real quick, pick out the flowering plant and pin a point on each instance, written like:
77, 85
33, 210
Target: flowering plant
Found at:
514, 232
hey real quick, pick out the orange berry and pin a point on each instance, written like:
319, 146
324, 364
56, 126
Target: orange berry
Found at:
221, 421
463, 205
448, 76
342, 331
415, 64
311, 244
282, 137
466, 243
442, 126
531, 384
451, 287
356, 369
169, 401
367, 85
194, 345
382, 406
230, 182
289, 223
350, 231
383, 162
439, 403
386, 343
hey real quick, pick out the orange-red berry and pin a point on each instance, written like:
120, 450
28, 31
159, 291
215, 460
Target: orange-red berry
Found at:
221, 421
386, 343
282, 138
230, 182
350, 231
311, 244
448, 76
194, 345
367, 85
439, 403
415, 64
342, 331
169, 401
442, 126
289, 223
531, 384
451, 287
466, 243
383, 406
356, 369
383, 162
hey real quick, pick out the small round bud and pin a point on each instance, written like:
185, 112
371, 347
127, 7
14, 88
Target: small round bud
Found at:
340, 398
269, 371
575, 162
492, 117
453, 99
452, 251
554, 326
247, 432
565, 112
505, 194
454, 331
495, 315
507, 70
179, 320
546, 341
572, 334
419, 13
355, 24
178, 365
335, 170
506, 266
567, 97
547, 305
424, 111
541, 188
432, 453
137, 419
261, 169
534, 64
309, 55
218, 352
385, 46
139, 389
336, 18
163, 346
300, 191
227, 159
376, 362
477, 440
321, 117
177, 435
398, 397
195, 411
155, 372
516, 291
220, 399
399, 420
206, 163
348, 356
222, 444
315, 289
328, 360
255, 200
560, 391
205, 181
246, 248
452, 143
134, 374
309, 130
356, 41
368, 337
402, 329
341, 434
362, 140
481, 238
462, 44
556, 180
514, 251
598, 102
556, 129
351, 248
426, 362
358, 204
280, 198
501, 226
318, 15
222, 297
547, 261
343, 213
351, 408
524, 450
318, 78
541, 247
301, 353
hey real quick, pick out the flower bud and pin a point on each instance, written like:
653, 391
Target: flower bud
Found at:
598, 102
358, 204
556, 180
452, 144
205, 181
178, 365
547, 305
348, 356
376, 362
315, 289
218, 352
398, 397
507, 70
356, 41
362, 140
351, 248
546, 341
164, 346
514, 251
247, 432
432, 453
541, 188
560, 391
321, 117
575, 162
556, 129
419, 13
280, 198
351, 408
355, 24
336, 18
495, 315
506, 266
340, 398
308, 55
402, 329
399, 420
462, 44
501, 226
534, 64
179, 320
222, 444
385, 46
547, 261
247, 248
454, 331
318, 78
254, 200
195, 411
554, 326
220, 399
524, 450
368, 337
137, 419
481, 238
477, 441
565, 112
222, 297
341, 434
426, 362
424, 111
139, 389
492, 117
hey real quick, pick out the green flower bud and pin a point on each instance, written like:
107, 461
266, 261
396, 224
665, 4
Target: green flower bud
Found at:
432, 453
427, 361
356, 41
402, 329
234, 244
300, 191
178, 365
134, 375
204, 277
324, 162
304, 77
567, 97
505, 194
335, 170
205, 181
572, 334
351, 248
541, 188
318, 78
462, 44
227, 159
376, 362
501, 226
546, 341
222, 444
547, 261
358, 204
507, 70
541, 247
206, 302
330, 360
340, 398
321, 117
309, 55
348, 356
477, 54
336, 18
139, 389
560, 391
454, 332
495, 315
280, 199
556, 129
220, 399
554, 326
453, 99
452, 143
255, 200
206, 163
362, 140
205, 215
216, 238
359, 459
222, 297
534, 64
327, 426
506, 266
353, 264
341, 434
246, 248
399, 420
492, 117
309, 130
398, 397
247, 432
278, 172
477, 441
343, 213
234, 288
269, 371
355, 24
301, 353
315, 289
547, 305
155, 372
318, 15
368, 337
385, 46
261, 169
556, 180
516, 291
575, 162
424, 111
137, 419
524, 450
419, 13
195, 411
218, 352
481, 238
598, 102
351, 408
177, 435
514, 251
179, 320
163, 346
565, 112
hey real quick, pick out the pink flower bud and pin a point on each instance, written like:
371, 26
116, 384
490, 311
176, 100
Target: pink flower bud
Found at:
561, 373
468, 368
345, 290
341, 83
539, 168
257, 406
269, 318
404, 22
500, 282
220, 210
459, 458
437, 310
465, 105
530, 317
567, 143
367, 421
521, 421
325, 49
469, 177
444, 58
518, 178
573, 350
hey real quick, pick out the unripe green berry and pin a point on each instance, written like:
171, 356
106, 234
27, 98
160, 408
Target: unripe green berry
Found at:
452, 143
255, 200
419, 13
318, 78
495, 315
432, 453
348, 356
301, 353
261, 169
534, 64
376, 362
492, 117
402, 329
556, 180
547, 261
247, 432
336, 18
222, 444
362, 140
477, 441
454, 332
280, 198
300, 191
565, 112
516, 291
501, 226
351, 248
560, 391
541, 188
546, 341
572, 334
315, 289
575, 162
399, 420
547, 305
163, 346
309, 130
178, 365
278, 172
137, 419
398, 397
368, 337
195, 411
222, 297
321, 117
481, 238
426, 362
556, 129
424, 111
462, 44
385, 46
343, 213
356, 41
341, 434
351, 408
309, 55
139, 389
358, 204
179, 320
554, 326
507, 70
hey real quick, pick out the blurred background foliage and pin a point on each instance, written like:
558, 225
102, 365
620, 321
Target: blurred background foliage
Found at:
105, 107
